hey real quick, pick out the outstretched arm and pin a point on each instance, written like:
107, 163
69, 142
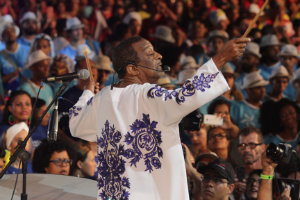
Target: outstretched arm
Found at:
232, 50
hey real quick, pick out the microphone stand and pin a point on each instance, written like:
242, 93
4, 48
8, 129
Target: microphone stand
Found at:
20, 149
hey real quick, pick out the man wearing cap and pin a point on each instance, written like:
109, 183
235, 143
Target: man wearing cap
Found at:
39, 64
13, 57
135, 122
246, 112
218, 180
74, 28
270, 48
30, 27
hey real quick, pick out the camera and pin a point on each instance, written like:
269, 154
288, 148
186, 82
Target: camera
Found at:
282, 153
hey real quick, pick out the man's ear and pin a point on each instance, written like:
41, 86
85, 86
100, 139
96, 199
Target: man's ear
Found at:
230, 188
79, 164
132, 70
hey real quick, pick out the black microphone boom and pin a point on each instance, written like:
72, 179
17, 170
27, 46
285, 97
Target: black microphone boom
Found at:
165, 68
81, 74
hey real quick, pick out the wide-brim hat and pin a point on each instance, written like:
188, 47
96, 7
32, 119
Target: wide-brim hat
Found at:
35, 57
269, 40
103, 63
253, 48
132, 15
164, 33
227, 69
217, 33
73, 23
254, 79
289, 50
165, 81
281, 71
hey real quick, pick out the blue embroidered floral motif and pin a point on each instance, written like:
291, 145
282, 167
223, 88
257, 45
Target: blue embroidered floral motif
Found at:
90, 101
74, 111
112, 183
145, 142
188, 88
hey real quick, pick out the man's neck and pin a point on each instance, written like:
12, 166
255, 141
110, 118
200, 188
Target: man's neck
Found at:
29, 37
222, 153
269, 63
253, 166
12, 47
36, 81
77, 42
254, 102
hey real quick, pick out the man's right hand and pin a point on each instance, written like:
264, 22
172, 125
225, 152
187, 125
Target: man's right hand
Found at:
92, 86
231, 50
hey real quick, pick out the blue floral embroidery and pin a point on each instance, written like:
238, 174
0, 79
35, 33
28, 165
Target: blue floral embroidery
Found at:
145, 142
74, 111
188, 88
90, 101
112, 183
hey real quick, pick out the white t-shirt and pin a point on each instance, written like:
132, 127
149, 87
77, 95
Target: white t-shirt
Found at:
136, 128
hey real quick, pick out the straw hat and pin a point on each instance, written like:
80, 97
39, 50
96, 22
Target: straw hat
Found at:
227, 69
254, 79
164, 33
188, 69
165, 82
253, 48
289, 50
6, 22
269, 40
279, 72
218, 33
35, 57
73, 23
103, 63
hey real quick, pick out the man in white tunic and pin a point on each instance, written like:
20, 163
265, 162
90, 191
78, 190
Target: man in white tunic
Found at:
135, 123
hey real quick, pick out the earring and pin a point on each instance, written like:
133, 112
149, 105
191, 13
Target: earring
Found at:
11, 119
29, 121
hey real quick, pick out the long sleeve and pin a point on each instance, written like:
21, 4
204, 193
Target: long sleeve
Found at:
83, 117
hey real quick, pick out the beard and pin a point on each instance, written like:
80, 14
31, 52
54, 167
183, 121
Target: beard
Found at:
29, 31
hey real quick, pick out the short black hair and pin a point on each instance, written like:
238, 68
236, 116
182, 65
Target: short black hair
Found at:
43, 153
211, 108
124, 54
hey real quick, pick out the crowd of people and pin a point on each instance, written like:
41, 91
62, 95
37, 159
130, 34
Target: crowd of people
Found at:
42, 38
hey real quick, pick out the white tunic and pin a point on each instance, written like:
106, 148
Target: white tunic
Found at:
136, 128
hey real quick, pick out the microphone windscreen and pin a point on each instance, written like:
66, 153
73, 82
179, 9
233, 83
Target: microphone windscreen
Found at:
83, 74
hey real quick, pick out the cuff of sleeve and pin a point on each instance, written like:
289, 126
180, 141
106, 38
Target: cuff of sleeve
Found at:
88, 93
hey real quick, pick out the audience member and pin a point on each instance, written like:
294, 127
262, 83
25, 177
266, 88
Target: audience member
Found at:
218, 141
17, 109
246, 112
52, 158
253, 183
12, 58
39, 64
30, 27
84, 164
251, 146
218, 180
199, 141
10, 141
103, 65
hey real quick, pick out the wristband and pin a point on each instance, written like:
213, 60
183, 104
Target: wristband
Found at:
266, 177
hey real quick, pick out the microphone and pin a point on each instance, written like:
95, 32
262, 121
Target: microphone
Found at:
165, 68
81, 74
53, 124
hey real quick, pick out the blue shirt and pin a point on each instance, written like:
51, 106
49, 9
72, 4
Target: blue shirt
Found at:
266, 71
277, 139
244, 115
46, 92
13, 170
19, 58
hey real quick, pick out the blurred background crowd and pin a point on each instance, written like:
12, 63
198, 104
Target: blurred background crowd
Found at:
42, 38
